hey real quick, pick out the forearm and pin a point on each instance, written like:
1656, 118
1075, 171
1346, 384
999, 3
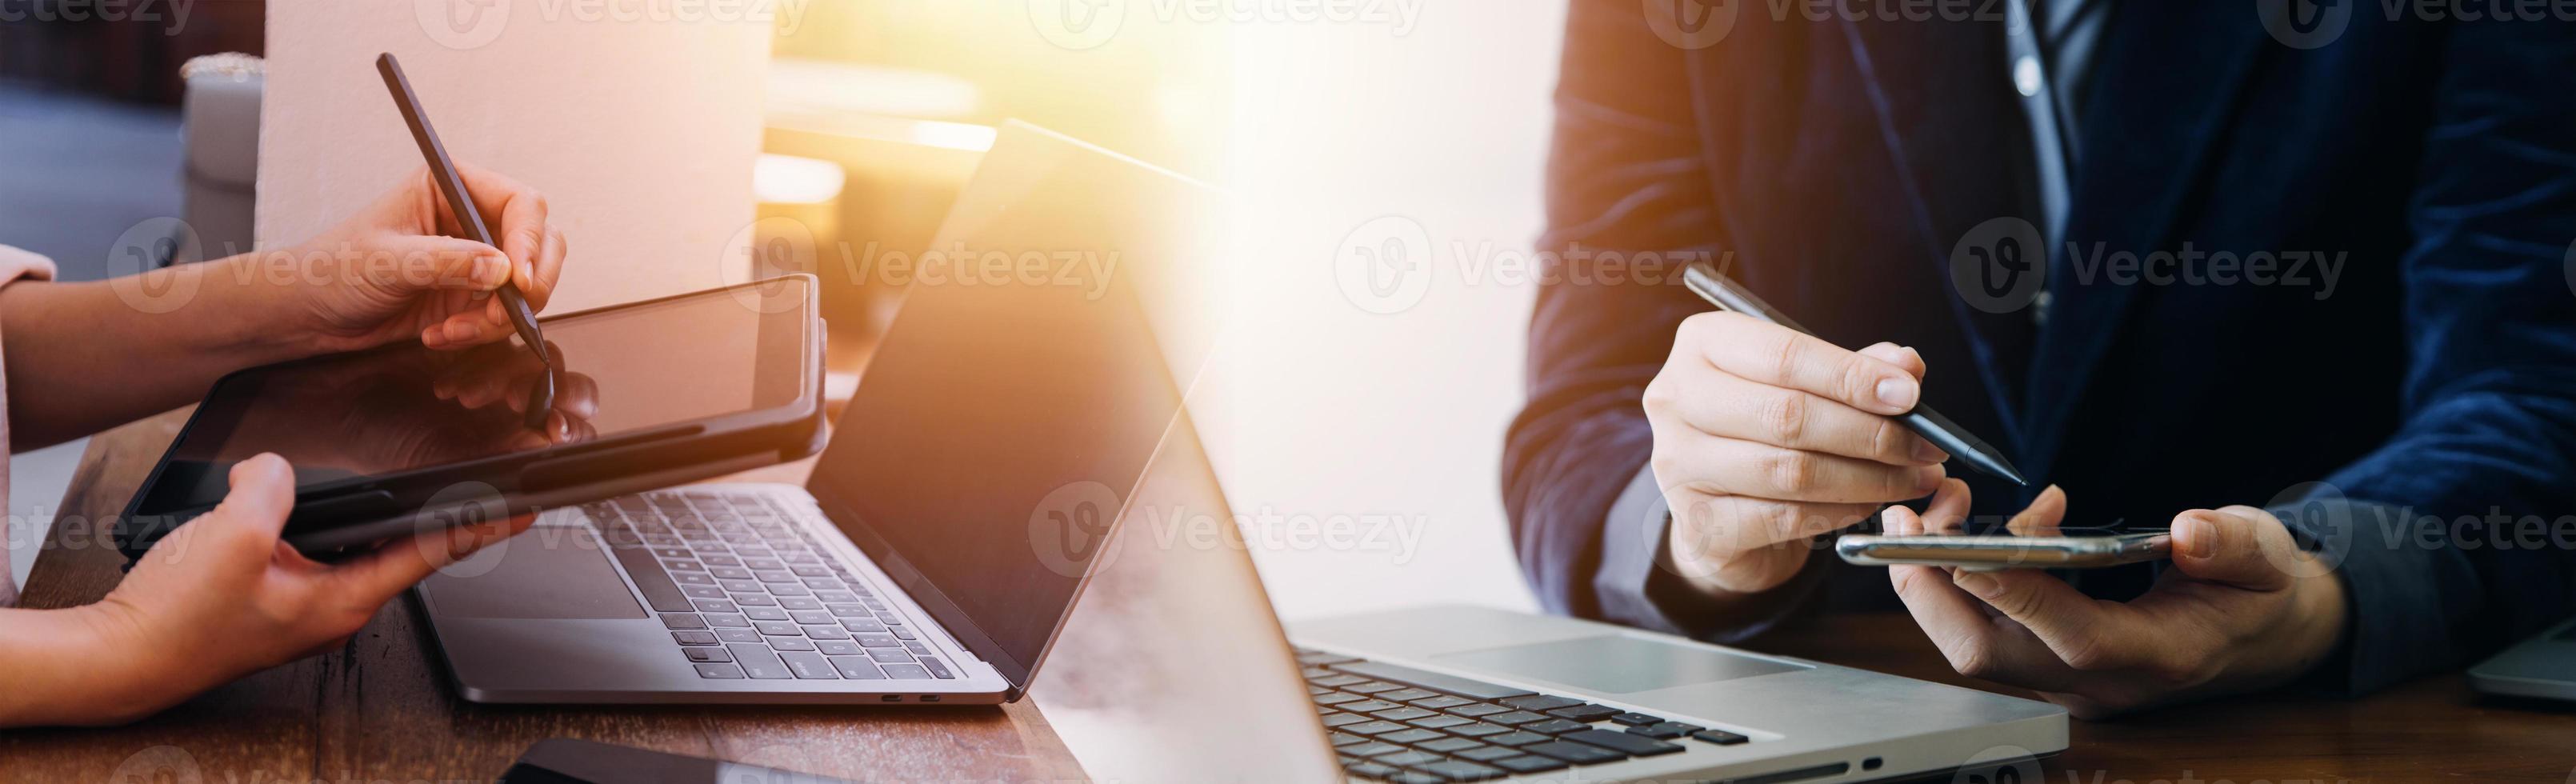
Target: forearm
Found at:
60, 671
81, 357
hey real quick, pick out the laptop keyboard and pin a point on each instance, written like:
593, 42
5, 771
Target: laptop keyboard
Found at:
1395, 723
746, 593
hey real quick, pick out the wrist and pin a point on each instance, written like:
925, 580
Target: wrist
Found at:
71, 667
248, 313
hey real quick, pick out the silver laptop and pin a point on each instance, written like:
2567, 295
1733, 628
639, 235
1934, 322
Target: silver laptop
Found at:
1462, 693
996, 412
2543, 667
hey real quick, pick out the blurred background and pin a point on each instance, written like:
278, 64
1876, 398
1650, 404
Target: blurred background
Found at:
1356, 414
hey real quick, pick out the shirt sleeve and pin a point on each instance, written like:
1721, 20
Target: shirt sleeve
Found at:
15, 264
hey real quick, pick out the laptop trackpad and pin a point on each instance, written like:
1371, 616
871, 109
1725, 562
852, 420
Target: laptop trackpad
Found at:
548, 572
1617, 664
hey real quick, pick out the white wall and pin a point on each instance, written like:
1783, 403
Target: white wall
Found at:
1326, 409
641, 130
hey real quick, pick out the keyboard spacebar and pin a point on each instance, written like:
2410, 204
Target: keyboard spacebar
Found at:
664, 595
1463, 687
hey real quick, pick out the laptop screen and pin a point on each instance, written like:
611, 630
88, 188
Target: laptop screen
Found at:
995, 435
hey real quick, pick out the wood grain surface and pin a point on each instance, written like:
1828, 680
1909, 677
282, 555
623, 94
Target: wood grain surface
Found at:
380, 708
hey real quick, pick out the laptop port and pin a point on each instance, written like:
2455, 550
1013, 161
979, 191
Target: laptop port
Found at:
892, 698
929, 698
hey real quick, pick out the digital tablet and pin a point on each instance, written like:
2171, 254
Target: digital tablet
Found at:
402, 439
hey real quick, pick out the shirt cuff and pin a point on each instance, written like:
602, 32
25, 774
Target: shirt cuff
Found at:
1638, 585
2395, 626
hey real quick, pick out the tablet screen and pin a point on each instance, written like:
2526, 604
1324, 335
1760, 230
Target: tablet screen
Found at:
349, 419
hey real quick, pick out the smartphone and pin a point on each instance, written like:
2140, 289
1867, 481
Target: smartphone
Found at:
568, 761
2070, 548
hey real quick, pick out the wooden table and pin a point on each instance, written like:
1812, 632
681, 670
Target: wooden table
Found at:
380, 709
2432, 729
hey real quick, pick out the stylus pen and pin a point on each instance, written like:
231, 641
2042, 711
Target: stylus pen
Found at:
1923, 421
453, 187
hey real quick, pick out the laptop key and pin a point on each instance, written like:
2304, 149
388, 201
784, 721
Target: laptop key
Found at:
827, 632
1370, 687
1405, 713
846, 610
1438, 721
1577, 753
692, 578
720, 671
755, 600
684, 565
1719, 737
1426, 679
727, 619
838, 648
1447, 745
1374, 728
907, 671
1540, 702
742, 586
703, 592
1336, 698
1336, 680
869, 625
1614, 740
1485, 753
1439, 702
798, 602
810, 666
1585, 712
1344, 720
1554, 726
1530, 764
889, 654
1415, 777
937, 668
1635, 719
1665, 730
1475, 709
1370, 770
1406, 695
878, 641
694, 638
717, 606
810, 617
1370, 706
1516, 739
738, 635
1459, 770
1370, 749
759, 662
1406, 758
707, 654
856, 668
659, 591
791, 643
764, 613
1409, 736
1476, 730
1514, 718
683, 620
1341, 739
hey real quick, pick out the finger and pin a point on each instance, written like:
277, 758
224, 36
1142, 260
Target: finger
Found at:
1783, 357
377, 576
579, 396
2084, 632
1728, 466
539, 285
424, 263
1723, 525
2043, 514
1948, 511
1977, 645
2228, 546
1904, 357
262, 492
1722, 404
515, 213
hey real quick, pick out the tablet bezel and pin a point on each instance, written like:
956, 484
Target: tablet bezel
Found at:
741, 440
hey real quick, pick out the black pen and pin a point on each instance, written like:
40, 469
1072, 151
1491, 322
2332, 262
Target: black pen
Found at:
1923, 421
452, 186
